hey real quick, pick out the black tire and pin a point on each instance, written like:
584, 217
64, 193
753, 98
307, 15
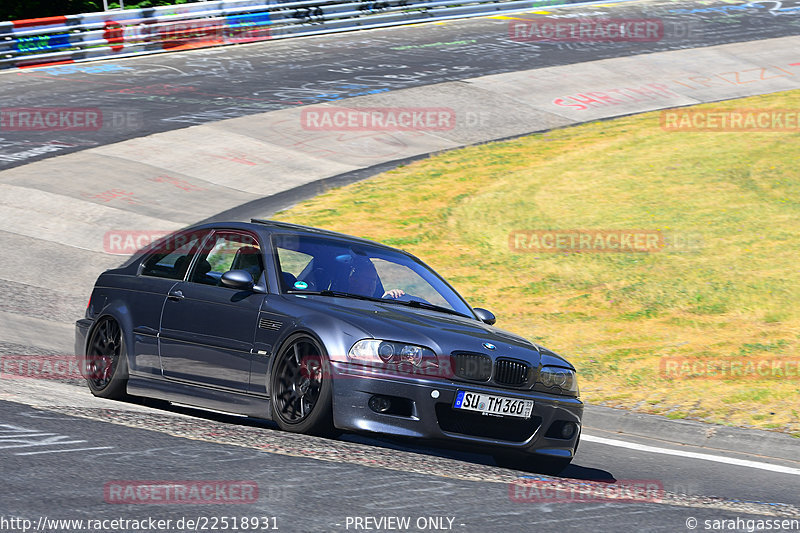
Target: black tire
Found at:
300, 388
106, 362
532, 463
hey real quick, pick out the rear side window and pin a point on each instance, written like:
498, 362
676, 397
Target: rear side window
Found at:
172, 256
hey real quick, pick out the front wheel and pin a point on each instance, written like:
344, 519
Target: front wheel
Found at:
106, 363
301, 388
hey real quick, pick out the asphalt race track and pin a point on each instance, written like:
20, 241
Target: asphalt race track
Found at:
64, 456
63, 191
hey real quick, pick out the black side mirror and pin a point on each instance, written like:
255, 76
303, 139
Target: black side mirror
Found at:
237, 279
485, 315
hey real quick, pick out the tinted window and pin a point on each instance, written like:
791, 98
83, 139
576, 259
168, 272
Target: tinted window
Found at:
393, 275
292, 264
172, 255
228, 251
317, 264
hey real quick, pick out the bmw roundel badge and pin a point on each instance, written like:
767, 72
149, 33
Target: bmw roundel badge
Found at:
489, 346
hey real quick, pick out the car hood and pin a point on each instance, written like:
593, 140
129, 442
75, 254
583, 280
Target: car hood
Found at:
443, 333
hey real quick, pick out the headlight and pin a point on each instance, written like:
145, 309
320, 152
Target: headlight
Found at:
554, 377
375, 351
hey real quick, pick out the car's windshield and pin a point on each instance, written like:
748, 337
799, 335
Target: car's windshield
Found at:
314, 264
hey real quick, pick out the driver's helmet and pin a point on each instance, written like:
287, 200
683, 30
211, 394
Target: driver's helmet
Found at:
363, 278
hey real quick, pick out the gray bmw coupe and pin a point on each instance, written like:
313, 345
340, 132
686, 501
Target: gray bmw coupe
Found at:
321, 333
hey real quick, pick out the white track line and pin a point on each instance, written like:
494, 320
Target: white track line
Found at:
691, 455
64, 451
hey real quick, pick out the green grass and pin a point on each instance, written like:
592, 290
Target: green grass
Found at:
731, 200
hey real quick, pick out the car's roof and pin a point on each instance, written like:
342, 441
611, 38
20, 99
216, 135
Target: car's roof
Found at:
276, 226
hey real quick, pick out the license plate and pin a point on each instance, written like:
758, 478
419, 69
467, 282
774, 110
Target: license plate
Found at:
493, 405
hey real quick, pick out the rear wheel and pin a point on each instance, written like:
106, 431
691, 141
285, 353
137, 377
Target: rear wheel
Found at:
301, 388
106, 362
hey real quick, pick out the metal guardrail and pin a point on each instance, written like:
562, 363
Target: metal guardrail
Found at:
75, 38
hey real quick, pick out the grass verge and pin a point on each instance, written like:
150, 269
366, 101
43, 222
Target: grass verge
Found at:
729, 295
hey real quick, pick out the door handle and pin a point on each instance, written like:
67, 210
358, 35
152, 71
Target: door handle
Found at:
176, 296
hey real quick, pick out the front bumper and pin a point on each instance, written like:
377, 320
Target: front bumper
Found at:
427, 412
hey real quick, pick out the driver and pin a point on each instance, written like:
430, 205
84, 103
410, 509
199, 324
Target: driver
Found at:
363, 279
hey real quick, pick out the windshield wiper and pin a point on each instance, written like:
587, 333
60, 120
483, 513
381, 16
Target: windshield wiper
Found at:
337, 294
425, 305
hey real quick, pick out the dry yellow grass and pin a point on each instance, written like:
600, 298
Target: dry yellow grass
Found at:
616, 315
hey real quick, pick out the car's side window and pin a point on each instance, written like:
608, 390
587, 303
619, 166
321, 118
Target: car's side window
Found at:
172, 257
228, 251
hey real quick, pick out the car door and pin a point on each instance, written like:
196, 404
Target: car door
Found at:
207, 330
145, 294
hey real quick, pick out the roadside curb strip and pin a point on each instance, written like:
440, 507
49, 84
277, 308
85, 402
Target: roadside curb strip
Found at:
692, 433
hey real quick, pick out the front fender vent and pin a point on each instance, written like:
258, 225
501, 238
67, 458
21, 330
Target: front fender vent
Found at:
273, 325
